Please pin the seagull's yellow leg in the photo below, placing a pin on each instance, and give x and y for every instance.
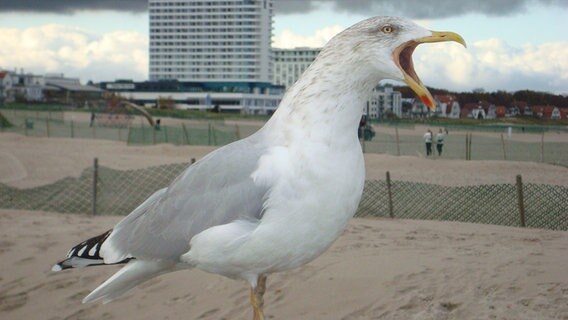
(257, 298)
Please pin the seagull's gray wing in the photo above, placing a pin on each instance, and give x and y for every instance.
(216, 190)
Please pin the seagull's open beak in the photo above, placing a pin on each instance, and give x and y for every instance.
(403, 58)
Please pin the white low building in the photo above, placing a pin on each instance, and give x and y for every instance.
(246, 97)
(384, 100)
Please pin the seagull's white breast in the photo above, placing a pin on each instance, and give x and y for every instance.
(313, 195)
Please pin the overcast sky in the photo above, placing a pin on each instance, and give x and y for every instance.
(512, 44)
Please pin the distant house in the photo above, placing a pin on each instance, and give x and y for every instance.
(476, 110)
(516, 109)
(563, 113)
(466, 110)
(513, 112)
(479, 113)
(538, 111)
(419, 109)
(6, 93)
(548, 112)
(492, 112)
(28, 87)
(447, 106)
(500, 111)
(555, 114)
(527, 111)
(454, 110)
(69, 90)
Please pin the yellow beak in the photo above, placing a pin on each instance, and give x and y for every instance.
(403, 58)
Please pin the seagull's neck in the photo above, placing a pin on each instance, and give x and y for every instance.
(326, 103)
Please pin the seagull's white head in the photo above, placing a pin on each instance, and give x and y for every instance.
(386, 44)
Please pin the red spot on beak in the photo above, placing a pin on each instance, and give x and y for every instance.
(427, 101)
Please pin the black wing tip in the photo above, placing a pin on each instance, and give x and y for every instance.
(84, 254)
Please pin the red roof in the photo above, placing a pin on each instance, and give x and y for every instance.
(3, 74)
(448, 99)
(500, 111)
(545, 111)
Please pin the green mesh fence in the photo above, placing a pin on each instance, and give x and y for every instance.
(52, 124)
(119, 192)
(485, 145)
(545, 206)
(69, 195)
(482, 148)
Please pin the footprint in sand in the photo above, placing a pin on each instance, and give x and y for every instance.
(13, 301)
(5, 246)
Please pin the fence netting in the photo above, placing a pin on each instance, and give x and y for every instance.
(131, 131)
(486, 144)
(118, 192)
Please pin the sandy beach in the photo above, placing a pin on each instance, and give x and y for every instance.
(379, 268)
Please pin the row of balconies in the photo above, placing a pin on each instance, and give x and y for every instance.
(204, 44)
(204, 37)
(203, 77)
(220, 30)
(193, 3)
(222, 23)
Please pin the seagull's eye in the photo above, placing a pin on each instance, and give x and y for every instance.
(387, 29)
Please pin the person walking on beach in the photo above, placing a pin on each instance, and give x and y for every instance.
(428, 140)
(440, 141)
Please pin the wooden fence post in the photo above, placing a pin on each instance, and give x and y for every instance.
(466, 146)
(503, 145)
(397, 141)
(185, 134)
(391, 211)
(128, 134)
(469, 146)
(95, 177)
(542, 147)
(521, 199)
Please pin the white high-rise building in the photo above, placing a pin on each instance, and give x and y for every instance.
(211, 41)
(289, 64)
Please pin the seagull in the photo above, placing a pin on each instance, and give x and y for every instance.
(279, 198)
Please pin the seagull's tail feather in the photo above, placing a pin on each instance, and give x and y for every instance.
(86, 253)
(131, 275)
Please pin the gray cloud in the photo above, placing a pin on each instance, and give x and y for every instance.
(418, 9)
(71, 6)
